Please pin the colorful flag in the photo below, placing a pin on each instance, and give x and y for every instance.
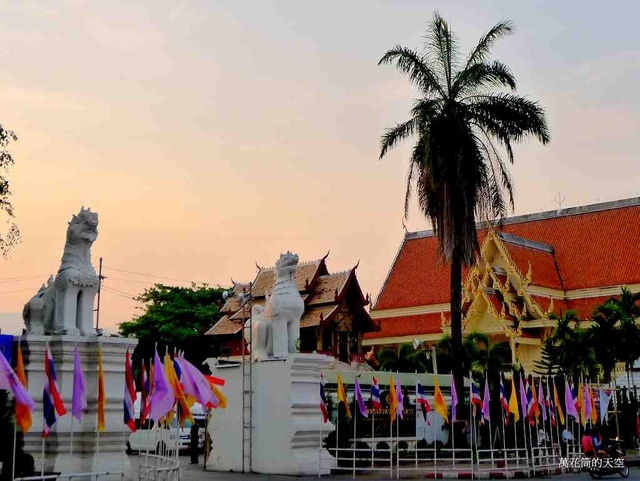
(184, 413)
(23, 410)
(342, 396)
(581, 405)
(513, 402)
(438, 401)
(52, 405)
(393, 400)
(549, 404)
(144, 401)
(101, 393)
(486, 414)
(523, 397)
(605, 399)
(454, 399)
(504, 403)
(594, 411)
(195, 384)
(10, 381)
(400, 406)
(129, 394)
(79, 399)
(375, 395)
(476, 400)
(214, 382)
(422, 401)
(587, 404)
(162, 397)
(569, 401)
(323, 401)
(359, 399)
(556, 401)
(541, 401)
(532, 403)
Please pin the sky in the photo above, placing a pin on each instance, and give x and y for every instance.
(214, 135)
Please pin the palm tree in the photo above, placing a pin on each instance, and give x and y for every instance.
(572, 348)
(628, 346)
(605, 335)
(403, 359)
(462, 124)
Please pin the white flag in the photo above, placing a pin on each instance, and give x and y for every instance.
(605, 398)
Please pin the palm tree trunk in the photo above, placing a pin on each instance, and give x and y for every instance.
(456, 338)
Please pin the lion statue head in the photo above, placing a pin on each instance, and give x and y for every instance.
(287, 262)
(83, 227)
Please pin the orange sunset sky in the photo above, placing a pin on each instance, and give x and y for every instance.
(209, 135)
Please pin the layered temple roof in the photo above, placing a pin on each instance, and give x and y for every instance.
(532, 266)
(321, 291)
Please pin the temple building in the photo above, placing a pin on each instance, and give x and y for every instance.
(533, 267)
(335, 317)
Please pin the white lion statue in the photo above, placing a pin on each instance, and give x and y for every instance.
(65, 306)
(276, 326)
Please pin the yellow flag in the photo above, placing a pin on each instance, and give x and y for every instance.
(23, 413)
(594, 411)
(393, 399)
(178, 392)
(101, 393)
(513, 402)
(556, 400)
(438, 400)
(342, 396)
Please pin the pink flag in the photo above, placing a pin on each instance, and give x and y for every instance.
(485, 402)
(79, 399)
(587, 403)
(162, 399)
(523, 398)
(9, 381)
(454, 399)
(195, 384)
(541, 401)
(400, 408)
(568, 401)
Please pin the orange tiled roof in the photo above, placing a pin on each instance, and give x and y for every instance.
(313, 317)
(328, 286)
(304, 274)
(594, 246)
(408, 326)
(584, 307)
(225, 326)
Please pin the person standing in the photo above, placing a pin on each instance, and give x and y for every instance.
(193, 443)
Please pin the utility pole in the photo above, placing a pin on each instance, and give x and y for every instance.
(100, 278)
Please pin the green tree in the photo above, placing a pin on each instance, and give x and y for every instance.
(605, 335)
(572, 348)
(462, 124)
(12, 235)
(175, 318)
(628, 345)
(403, 359)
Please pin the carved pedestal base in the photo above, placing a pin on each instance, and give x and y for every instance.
(85, 441)
(287, 422)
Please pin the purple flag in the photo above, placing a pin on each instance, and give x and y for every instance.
(9, 381)
(361, 406)
(523, 399)
(568, 401)
(400, 407)
(454, 399)
(195, 384)
(162, 399)
(79, 401)
(485, 401)
(541, 401)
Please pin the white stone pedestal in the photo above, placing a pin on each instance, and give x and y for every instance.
(85, 441)
(287, 421)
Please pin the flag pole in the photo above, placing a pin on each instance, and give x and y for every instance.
(472, 418)
(373, 429)
(43, 419)
(415, 383)
(355, 417)
(75, 346)
(15, 429)
(486, 380)
(398, 383)
(503, 418)
(434, 362)
(523, 419)
(390, 434)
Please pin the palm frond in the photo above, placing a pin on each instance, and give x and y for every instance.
(482, 49)
(481, 76)
(393, 136)
(410, 63)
